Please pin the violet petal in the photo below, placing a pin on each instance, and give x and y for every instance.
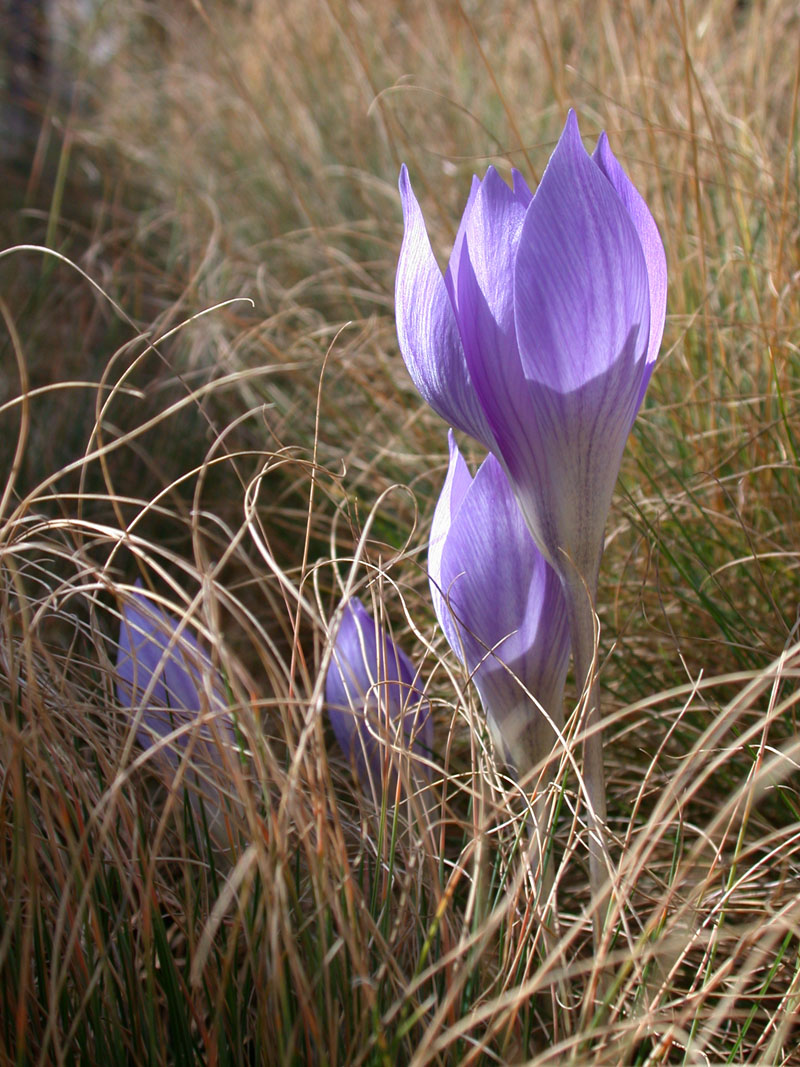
(427, 328)
(372, 689)
(501, 607)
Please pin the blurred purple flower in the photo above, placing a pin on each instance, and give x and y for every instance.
(541, 337)
(162, 669)
(501, 607)
(374, 700)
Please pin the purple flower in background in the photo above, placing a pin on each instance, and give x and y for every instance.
(501, 607)
(162, 670)
(374, 700)
(540, 338)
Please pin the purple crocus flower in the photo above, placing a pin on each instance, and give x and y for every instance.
(162, 670)
(374, 700)
(540, 338)
(501, 608)
(539, 341)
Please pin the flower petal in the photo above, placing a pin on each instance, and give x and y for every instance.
(486, 306)
(427, 328)
(507, 616)
(652, 247)
(492, 235)
(451, 274)
(456, 484)
(582, 321)
(370, 690)
(141, 654)
(581, 291)
(152, 655)
(522, 190)
(565, 467)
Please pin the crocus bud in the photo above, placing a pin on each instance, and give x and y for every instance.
(164, 677)
(374, 701)
(501, 608)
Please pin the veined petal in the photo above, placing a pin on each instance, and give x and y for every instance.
(505, 615)
(522, 190)
(427, 329)
(456, 484)
(451, 274)
(486, 305)
(581, 292)
(491, 238)
(371, 692)
(582, 308)
(652, 247)
(141, 654)
(565, 467)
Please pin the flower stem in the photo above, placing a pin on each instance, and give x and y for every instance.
(580, 600)
(542, 863)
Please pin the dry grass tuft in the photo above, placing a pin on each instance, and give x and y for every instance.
(203, 390)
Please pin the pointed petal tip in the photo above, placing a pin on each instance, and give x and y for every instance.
(452, 447)
(494, 182)
(407, 198)
(569, 148)
(602, 146)
(458, 476)
(571, 127)
(355, 607)
(522, 190)
(649, 236)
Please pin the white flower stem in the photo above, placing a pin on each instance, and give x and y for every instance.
(531, 739)
(581, 599)
(542, 864)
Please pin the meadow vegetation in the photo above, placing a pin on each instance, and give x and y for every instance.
(202, 389)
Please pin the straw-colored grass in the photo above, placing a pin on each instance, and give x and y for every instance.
(202, 388)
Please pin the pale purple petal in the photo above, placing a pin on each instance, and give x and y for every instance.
(565, 467)
(372, 689)
(582, 320)
(168, 671)
(427, 328)
(456, 484)
(491, 238)
(140, 654)
(504, 613)
(581, 291)
(652, 247)
(451, 274)
(522, 190)
(486, 307)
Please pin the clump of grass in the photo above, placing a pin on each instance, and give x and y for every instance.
(224, 413)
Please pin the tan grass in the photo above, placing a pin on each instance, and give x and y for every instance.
(218, 406)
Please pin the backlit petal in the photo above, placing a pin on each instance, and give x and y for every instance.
(652, 247)
(456, 484)
(502, 610)
(581, 292)
(582, 320)
(427, 329)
